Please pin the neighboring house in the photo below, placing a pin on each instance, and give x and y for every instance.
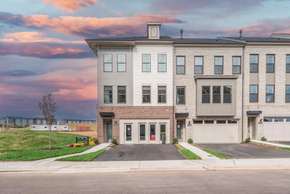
(152, 89)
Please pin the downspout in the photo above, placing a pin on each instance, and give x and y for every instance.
(173, 92)
(243, 88)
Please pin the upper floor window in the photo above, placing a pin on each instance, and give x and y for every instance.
(218, 64)
(180, 65)
(288, 63)
(270, 60)
(198, 64)
(205, 94)
(216, 93)
(108, 63)
(287, 93)
(162, 63)
(121, 63)
(122, 94)
(146, 94)
(270, 93)
(254, 63)
(180, 95)
(161, 94)
(254, 94)
(227, 94)
(108, 94)
(146, 63)
(236, 68)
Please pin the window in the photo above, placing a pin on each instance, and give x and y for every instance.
(180, 95)
(287, 63)
(254, 63)
(198, 64)
(218, 65)
(278, 119)
(287, 119)
(161, 94)
(208, 121)
(270, 60)
(236, 68)
(197, 121)
(227, 94)
(254, 94)
(121, 63)
(162, 63)
(108, 63)
(142, 132)
(122, 94)
(108, 94)
(216, 90)
(180, 65)
(146, 94)
(287, 94)
(221, 122)
(268, 119)
(232, 121)
(205, 94)
(270, 93)
(146, 63)
(152, 132)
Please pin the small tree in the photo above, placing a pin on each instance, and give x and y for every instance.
(47, 107)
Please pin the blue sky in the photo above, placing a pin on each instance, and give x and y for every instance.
(42, 45)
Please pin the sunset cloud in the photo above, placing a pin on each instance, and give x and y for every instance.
(70, 5)
(87, 26)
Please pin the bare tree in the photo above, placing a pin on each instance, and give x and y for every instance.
(47, 107)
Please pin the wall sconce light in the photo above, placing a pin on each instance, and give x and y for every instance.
(189, 124)
(115, 122)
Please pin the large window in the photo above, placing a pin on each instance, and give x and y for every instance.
(198, 64)
(108, 94)
(254, 94)
(180, 95)
(205, 94)
(270, 60)
(162, 63)
(122, 94)
(121, 63)
(108, 63)
(142, 132)
(236, 68)
(216, 92)
(146, 63)
(146, 94)
(161, 94)
(270, 93)
(287, 93)
(180, 65)
(288, 63)
(227, 94)
(218, 64)
(254, 63)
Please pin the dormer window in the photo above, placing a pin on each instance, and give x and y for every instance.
(153, 31)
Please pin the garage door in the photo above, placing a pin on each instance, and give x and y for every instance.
(276, 131)
(215, 132)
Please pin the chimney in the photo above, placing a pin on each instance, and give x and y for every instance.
(153, 31)
(181, 33)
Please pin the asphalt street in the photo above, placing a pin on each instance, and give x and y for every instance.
(204, 182)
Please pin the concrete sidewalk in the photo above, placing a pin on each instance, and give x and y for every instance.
(131, 166)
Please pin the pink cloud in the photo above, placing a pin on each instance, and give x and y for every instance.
(70, 5)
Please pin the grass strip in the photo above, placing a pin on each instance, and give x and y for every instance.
(189, 155)
(216, 153)
(84, 157)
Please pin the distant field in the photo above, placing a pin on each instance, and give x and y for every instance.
(26, 145)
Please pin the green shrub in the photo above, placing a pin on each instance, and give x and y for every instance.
(190, 141)
(114, 141)
(263, 138)
(248, 140)
(175, 141)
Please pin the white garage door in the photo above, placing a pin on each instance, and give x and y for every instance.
(276, 131)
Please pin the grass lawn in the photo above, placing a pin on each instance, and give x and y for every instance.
(27, 145)
(189, 155)
(84, 157)
(216, 153)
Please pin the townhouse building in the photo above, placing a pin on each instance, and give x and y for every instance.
(155, 88)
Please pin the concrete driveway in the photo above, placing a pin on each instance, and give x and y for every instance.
(249, 150)
(138, 152)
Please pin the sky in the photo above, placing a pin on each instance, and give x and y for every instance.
(42, 47)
